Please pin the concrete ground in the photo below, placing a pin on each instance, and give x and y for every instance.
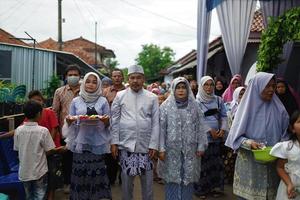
(158, 193)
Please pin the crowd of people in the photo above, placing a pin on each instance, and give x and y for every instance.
(191, 138)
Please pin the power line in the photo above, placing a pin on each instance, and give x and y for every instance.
(10, 8)
(158, 15)
(28, 16)
(78, 8)
(154, 29)
(15, 9)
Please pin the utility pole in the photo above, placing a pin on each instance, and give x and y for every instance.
(59, 26)
(33, 57)
(96, 64)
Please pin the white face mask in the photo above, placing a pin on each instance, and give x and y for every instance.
(73, 80)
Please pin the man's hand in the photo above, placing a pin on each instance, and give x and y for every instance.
(114, 150)
(61, 149)
(199, 153)
(152, 153)
(290, 189)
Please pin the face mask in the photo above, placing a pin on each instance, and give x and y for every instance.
(73, 80)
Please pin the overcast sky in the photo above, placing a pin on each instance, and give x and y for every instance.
(123, 25)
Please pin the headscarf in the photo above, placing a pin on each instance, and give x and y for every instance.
(219, 92)
(107, 80)
(288, 99)
(227, 95)
(172, 97)
(155, 91)
(235, 99)
(202, 96)
(90, 97)
(256, 119)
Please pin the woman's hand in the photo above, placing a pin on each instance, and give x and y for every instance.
(290, 189)
(255, 145)
(105, 120)
(214, 133)
(70, 119)
(221, 133)
(162, 156)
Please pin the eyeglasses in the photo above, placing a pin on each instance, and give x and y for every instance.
(208, 85)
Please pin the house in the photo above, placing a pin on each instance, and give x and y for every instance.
(83, 48)
(17, 66)
(217, 63)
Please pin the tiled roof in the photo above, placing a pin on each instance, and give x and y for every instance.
(6, 37)
(80, 47)
(257, 22)
(49, 44)
(257, 26)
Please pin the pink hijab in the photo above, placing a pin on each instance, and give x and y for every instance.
(227, 95)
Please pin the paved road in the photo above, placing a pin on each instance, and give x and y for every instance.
(158, 193)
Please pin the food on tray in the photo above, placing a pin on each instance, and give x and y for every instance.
(89, 117)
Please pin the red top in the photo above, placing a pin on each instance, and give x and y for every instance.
(49, 121)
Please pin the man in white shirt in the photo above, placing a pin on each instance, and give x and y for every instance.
(135, 133)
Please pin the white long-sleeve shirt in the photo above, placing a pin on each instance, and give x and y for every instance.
(135, 121)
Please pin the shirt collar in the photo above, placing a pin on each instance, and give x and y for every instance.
(112, 88)
(30, 123)
(76, 89)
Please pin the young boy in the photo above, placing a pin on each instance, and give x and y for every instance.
(33, 142)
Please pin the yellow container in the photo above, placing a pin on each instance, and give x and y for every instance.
(263, 155)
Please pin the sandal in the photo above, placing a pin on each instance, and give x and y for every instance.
(201, 196)
(217, 194)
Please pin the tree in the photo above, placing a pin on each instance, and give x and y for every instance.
(111, 64)
(153, 59)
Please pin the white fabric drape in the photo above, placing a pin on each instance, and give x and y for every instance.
(276, 8)
(203, 30)
(235, 17)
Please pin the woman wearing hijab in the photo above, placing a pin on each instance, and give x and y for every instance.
(235, 82)
(260, 118)
(229, 156)
(106, 82)
(212, 169)
(237, 96)
(220, 87)
(286, 96)
(182, 141)
(89, 141)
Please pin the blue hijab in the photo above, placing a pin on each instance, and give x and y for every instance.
(257, 119)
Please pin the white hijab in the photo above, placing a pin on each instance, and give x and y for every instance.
(90, 97)
(202, 95)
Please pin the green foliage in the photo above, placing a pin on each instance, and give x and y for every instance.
(153, 59)
(104, 71)
(4, 84)
(125, 72)
(280, 30)
(52, 84)
(111, 63)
